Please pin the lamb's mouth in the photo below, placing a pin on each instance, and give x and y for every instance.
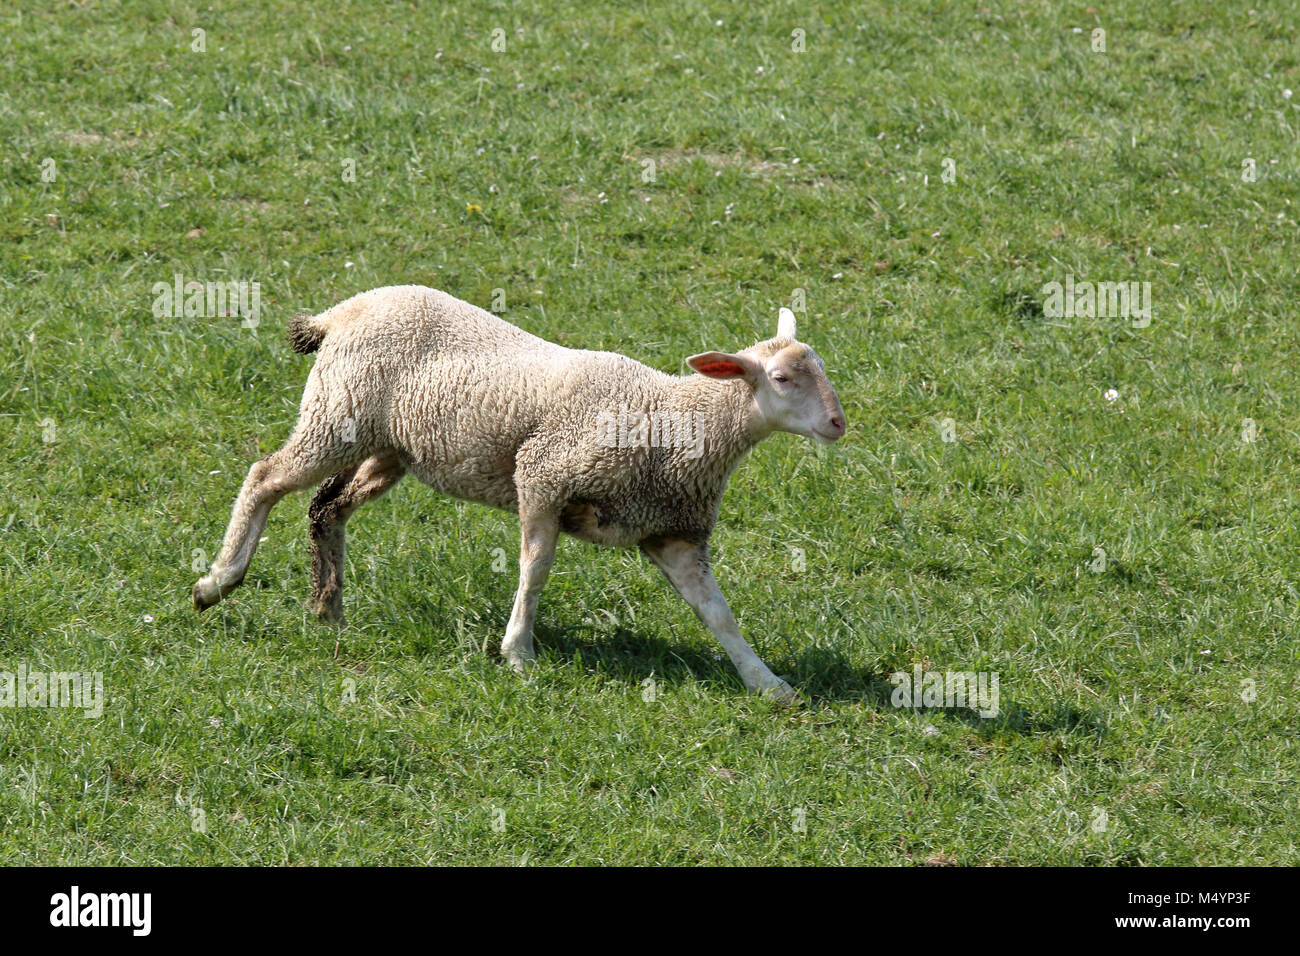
(826, 439)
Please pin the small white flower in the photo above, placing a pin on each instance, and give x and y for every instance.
(1286, 94)
(348, 265)
(1111, 394)
(148, 618)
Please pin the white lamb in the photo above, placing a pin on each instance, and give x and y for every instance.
(412, 379)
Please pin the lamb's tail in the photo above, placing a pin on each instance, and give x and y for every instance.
(306, 333)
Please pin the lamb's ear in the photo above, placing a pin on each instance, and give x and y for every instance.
(785, 324)
(725, 365)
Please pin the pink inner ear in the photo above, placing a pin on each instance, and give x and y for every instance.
(719, 369)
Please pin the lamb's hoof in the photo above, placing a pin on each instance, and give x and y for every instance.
(208, 592)
(783, 694)
(521, 664)
(327, 612)
(205, 594)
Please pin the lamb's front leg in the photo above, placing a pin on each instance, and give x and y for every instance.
(686, 565)
(538, 534)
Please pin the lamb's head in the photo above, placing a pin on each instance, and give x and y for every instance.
(791, 391)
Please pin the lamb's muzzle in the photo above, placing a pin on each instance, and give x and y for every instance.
(593, 444)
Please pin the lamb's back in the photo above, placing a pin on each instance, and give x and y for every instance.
(407, 323)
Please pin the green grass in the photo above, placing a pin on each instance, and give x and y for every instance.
(1121, 691)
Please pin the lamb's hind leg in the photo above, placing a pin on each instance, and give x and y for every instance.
(338, 497)
(297, 465)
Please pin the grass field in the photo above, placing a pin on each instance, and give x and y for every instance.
(657, 180)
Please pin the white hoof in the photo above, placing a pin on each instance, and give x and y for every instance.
(519, 662)
(782, 693)
(206, 593)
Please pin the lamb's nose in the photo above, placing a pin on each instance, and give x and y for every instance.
(837, 423)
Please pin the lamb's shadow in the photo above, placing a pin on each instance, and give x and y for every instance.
(1016, 719)
(830, 676)
(822, 676)
(632, 657)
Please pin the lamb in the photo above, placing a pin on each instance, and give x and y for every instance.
(409, 378)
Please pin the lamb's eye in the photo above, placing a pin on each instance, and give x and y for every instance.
(778, 377)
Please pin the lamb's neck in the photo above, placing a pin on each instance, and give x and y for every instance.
(728, 416)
